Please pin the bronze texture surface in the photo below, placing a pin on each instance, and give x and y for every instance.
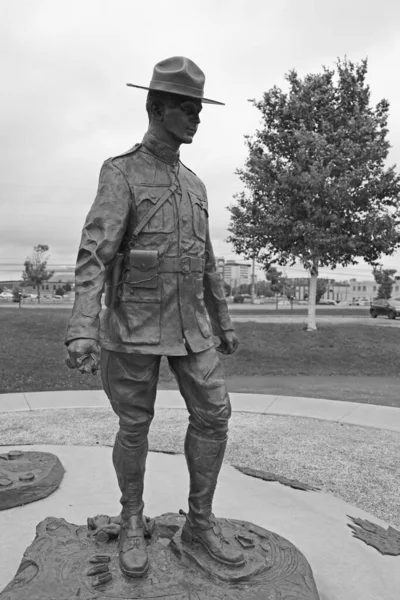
(161, 309)
(386, 541)
(28, 476)
(66, 561)
(293, 483)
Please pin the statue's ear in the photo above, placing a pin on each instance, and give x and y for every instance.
(157, 110)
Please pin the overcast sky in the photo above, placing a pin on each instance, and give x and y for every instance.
(65, 107)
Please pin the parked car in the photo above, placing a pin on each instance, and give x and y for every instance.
(6, 295)
(360, 302)
(328, 301)
(240, 298)
(390, 308)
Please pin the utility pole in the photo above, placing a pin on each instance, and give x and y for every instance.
(253, 281)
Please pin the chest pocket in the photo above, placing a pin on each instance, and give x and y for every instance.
(200, 215)
(163, 221)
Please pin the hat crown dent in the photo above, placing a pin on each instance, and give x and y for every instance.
(180, 70)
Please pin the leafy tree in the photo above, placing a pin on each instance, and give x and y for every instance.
(322, 286)
(317, 190)
(264, 288)
(16, 292)
(227, 289)
(244, 288)
(275, 277)
(36, 271)
(384, 277)
(288, 288)
(67, 287)
(60, 291)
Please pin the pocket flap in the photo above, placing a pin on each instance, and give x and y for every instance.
(198, 200)
(144, 260)
(148, 193)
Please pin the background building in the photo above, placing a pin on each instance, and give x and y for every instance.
(336, 290)
(369, 289)
(63, 279)
(235, 274)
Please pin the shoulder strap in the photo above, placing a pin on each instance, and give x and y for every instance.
(167, 194)
(190, 170)
(131, 151)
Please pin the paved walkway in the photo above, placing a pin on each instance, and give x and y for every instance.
(366, 415)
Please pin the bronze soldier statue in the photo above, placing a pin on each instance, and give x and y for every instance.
(146, 242)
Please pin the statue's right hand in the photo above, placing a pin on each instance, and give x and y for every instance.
(83, 354)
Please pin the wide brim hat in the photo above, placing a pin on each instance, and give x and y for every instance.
(178, 75)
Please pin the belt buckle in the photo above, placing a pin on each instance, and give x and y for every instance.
(186, 264)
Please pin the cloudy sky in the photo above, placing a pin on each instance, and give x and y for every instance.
(65, 106)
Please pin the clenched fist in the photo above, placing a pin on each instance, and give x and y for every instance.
(229, 343)
(84, 355)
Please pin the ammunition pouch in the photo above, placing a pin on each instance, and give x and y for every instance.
(142, 269)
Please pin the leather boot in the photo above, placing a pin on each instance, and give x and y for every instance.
(133, 557)
(204, 459)
(130, 464)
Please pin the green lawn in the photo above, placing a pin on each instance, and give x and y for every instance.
(32, 358)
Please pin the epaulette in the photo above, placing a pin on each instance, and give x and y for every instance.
(131, 151)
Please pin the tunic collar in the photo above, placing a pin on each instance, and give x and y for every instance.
(160, 150)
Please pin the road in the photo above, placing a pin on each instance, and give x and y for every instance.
(332, 319)
(251, 314)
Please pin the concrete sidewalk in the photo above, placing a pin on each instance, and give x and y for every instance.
(353, 413)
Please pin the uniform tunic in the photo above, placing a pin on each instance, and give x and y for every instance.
(165, 313)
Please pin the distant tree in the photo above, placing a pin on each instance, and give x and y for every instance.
(244, 288)
(268, 293)
(1, 289)
(275, 277)
(317, 188)
(60, 291)
(384, 277)
(288, 288)
(36, 271)
(67, 287)
(227, 289)
(279, 283)
(263, 288)
(17, 293)
(322, 286)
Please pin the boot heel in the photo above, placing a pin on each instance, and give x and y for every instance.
(187, 536)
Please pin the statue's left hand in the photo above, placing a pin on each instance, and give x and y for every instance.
(229, 343)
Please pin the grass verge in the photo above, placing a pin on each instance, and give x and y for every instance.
(32, 357)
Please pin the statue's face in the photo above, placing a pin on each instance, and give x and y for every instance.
(181, 120)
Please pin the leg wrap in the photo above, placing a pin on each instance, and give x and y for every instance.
(130, 465)
(204, 458)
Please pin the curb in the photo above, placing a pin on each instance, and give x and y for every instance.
(349, 413)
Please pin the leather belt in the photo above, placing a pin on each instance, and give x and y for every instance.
(181, 264)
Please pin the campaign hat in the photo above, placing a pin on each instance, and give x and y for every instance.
(178, 75)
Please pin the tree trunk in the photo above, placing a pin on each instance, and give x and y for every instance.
(253, 281)
(311, 323)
